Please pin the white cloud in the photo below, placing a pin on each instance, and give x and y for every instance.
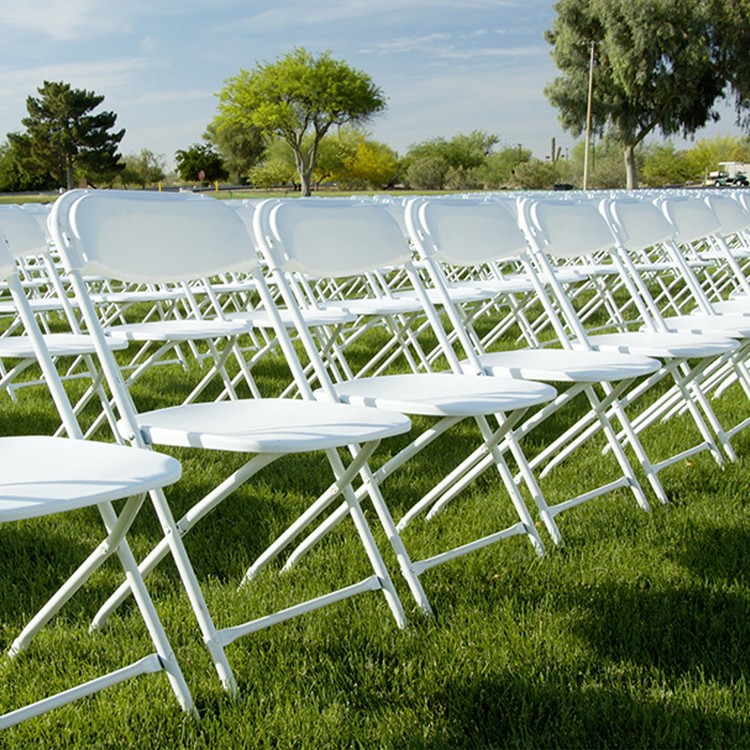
(103, 77)
(485, 52)
(410, 44)
(68, 20)
(149, 44)
(167, 97)
(99, 75)
(284, 14)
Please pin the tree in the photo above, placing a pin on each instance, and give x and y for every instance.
(297, 95)
(63, 136)
(651, 69)
(15, 177)
(724, 25)
(499, 167)
(143, 169)
(427, 173)
(200, 158)
(663, 166)
(706, 154)
(437, 162)
(540, 174)
(354, 161)
(461, 151)
(240, 148)
(605, 163)
(276, 166)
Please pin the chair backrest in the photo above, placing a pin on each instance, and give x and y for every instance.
(638, 224)
(40, 212)
(466, 232)
(7, 264)
(692, 218)
(569, 228)
(149, 237)
(731, 214)
(743, 199)
(22, 230)
(330, 238)
(9, 275)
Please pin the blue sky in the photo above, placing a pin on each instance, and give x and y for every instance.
(445, 66)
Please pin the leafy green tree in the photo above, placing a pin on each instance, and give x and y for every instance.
(605, 163)
(439, 162)
(707, 153)
(15, 178)
(240, 147)
(355, 161)
(461, 151)
(374, 165)
(64, 137)
(499, 168)
(427, 173)
(200, 158)
(297, 95)
(724, 25)
(663, 166)
(538, 174)
(276, 166)
(143, 169)
(651, 70)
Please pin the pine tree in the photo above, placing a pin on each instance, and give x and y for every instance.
(63, 137)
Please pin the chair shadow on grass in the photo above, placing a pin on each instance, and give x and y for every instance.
(36, 559)
(513, 711)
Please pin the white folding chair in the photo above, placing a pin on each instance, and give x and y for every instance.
(639, 223)
(26, 240)
(44, 475)
(694, 221)
(172, 238)
(340, 239)
(728, 247)
(463, 233)
(570, 228)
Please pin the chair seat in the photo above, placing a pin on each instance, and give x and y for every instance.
(739, 305)
(512, 284)
(469, 292)
(567, 275)
(268, 425)
(37, 305)
(597, 269)
(377, 306)
(444, 394)
(44, 475)
(566, 366)
(136, 295)
(58, 345)
(683, 344)
(326, 317)
(180, 330)
(730, 324)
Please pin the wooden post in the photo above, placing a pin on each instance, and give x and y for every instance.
(588, 121)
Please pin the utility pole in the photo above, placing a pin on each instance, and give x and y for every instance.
(588, 120)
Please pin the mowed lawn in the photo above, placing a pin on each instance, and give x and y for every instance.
(635, 633)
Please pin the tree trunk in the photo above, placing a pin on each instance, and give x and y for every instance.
(69, 177)
(304, 179)
(631, 175)
(304, 170)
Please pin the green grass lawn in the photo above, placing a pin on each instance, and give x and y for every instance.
(634, 634)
